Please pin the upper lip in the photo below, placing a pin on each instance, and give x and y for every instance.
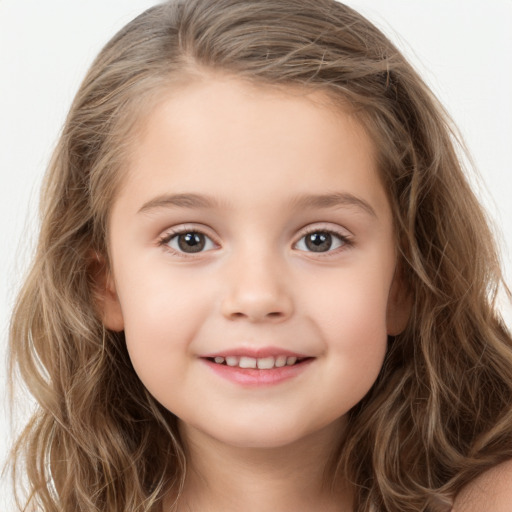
(257, 353)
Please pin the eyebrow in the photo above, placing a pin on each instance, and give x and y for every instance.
(300, 202)
(179, 201)
(331, 201)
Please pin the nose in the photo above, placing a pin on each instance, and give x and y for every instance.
(257, 290)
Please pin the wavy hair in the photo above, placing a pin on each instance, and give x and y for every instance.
(440, 411)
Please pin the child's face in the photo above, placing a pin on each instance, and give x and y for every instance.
(286, 248)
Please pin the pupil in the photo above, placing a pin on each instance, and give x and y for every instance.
(191, 242)
(319, 242)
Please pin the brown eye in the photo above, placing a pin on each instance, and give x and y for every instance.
(320, 241)
(190, 242)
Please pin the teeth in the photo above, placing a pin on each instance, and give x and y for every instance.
(265, 363)
(247, 362)
(262, 363)
(280, 361)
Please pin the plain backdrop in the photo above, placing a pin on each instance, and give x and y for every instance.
(463, 49)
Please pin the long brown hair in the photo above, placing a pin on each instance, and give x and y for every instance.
(440, 412)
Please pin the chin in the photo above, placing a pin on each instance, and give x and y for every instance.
(262, 440)
(261, 434)
(253, 443)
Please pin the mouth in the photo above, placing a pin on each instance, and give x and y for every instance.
(260, 363)
(258, 367)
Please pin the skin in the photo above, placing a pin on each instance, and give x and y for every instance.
(257, 283)
(490, 492)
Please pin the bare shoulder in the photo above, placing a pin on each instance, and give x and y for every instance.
(490, 492)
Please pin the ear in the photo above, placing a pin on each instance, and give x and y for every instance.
(399, 305)
(105, 295)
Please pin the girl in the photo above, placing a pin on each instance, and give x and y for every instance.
(262, 280)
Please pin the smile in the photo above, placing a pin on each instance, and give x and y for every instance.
(261, 363)
(264, 367)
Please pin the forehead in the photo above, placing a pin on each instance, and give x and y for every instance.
(233, 139)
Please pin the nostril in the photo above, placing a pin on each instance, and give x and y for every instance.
(273, 315)
(256, 307)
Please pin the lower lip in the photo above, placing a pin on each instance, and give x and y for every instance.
(254, 377)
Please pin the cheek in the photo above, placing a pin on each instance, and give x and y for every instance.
(359, 337)
(161, 321)
(352, 321)
(354, 303)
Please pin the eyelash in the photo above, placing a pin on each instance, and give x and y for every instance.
(346, 241)
(167, 237)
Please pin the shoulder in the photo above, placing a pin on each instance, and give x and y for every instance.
(490, 492)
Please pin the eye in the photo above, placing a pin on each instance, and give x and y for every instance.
(321, 241)
(189, 242)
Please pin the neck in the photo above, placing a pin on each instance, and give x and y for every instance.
(294, 477)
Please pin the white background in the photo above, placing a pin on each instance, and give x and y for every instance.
(463, 48)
